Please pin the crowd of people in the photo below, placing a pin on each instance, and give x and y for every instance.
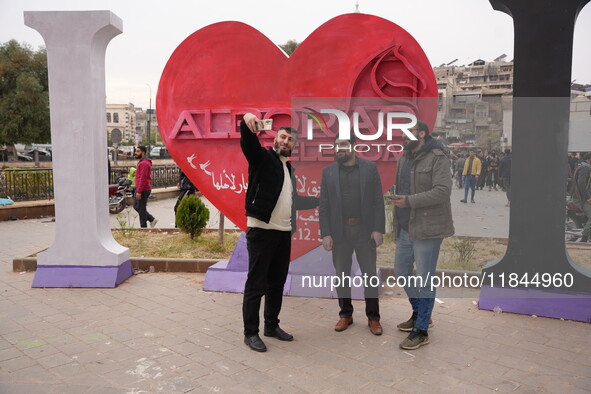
(476, 170)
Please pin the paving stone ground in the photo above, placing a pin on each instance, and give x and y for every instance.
(161, 333)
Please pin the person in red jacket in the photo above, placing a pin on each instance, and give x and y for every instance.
(143, 187)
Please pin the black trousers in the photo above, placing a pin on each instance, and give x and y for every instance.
(491, 178)
(507, 185)
(342, 259)
(141, 207)
(268, 264)
(481, 180)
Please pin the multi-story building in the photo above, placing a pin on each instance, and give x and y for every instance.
(142, 124)
(470, 107)
(128, 123)
(476, 105)
(121, 122)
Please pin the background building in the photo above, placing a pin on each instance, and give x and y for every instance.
(471, 101)
(127, 125)
(476, 105)
(121, 123)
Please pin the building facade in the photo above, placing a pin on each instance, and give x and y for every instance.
(121, 123)
(127, 123)
(471, 101)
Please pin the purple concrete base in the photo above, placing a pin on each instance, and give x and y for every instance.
(310, 276)
(221, 278)
(82, 275)
(230, 275)
(558, 304)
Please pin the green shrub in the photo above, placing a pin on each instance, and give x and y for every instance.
(192, 216)
(465, 251)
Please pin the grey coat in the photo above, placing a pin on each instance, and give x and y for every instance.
(582, 182)
(430, 185)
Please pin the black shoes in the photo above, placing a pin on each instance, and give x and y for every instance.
(255, 343)
(278, 333)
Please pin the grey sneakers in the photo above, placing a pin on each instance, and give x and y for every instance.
(415, 339)
(408, 325)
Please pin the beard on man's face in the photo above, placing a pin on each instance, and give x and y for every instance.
(343, 157)
(409, 144)
(282, 152)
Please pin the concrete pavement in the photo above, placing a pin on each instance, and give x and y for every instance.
(488, 217)
(161, 333)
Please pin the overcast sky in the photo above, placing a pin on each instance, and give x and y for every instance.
(446, 29)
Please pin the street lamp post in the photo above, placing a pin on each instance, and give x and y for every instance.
(149, 113)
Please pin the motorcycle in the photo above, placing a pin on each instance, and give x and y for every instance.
(118, 195)
(575, 221)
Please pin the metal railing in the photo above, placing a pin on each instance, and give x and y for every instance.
(162, 176)
(37, 184)
(26, 184)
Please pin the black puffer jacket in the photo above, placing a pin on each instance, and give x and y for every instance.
(505, 167)
(265, 180)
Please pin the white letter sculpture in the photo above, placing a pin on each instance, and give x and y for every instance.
(84, 253)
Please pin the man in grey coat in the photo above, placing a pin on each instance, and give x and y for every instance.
(422, 219)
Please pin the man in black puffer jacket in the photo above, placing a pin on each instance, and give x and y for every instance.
(271, 203)
(505, 174)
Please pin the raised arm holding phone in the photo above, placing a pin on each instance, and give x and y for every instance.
(271, 203)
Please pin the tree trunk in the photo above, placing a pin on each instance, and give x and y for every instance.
(11, 152)
(221, 230)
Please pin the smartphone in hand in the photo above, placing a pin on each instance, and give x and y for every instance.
(267, 125)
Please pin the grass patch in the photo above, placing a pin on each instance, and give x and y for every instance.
(175, 244)
(471, 254)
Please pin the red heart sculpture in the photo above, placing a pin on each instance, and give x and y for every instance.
(227, 69)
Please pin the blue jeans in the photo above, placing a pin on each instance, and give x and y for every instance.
(424, 253)
(469, 183)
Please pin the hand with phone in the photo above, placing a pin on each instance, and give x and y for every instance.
(257, 125)
(265, 125)
(400, 201)
(251, 122)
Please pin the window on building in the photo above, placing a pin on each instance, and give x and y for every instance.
(108, 117)
(115, 117)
